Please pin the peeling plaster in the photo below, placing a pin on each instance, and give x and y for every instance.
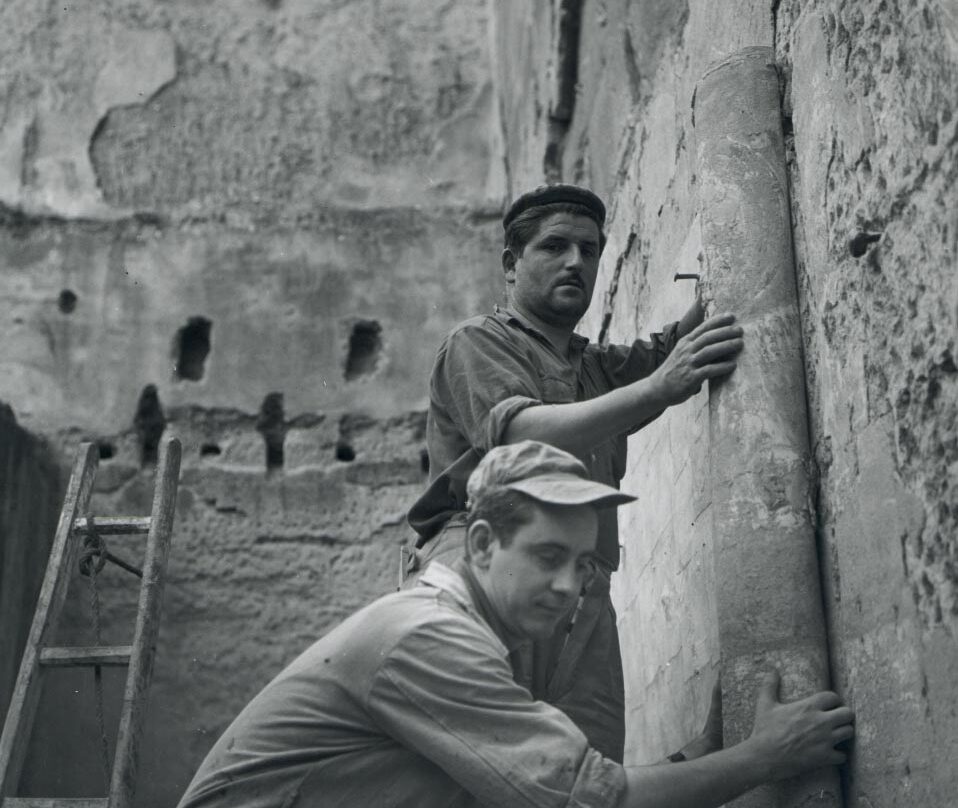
(45, 166)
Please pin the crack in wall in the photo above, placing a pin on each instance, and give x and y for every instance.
(609, 302)
(566, 63)
(631, 67)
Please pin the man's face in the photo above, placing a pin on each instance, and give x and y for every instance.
(535, 581)
(554, 277)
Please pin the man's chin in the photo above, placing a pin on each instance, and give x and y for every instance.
(543, 629)
(541, 634)
(568, 313)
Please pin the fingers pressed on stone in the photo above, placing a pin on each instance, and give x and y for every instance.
(710, 353)
(711, 323)
(826, 700)
(717, 369)
(841, 715)
(725, 333)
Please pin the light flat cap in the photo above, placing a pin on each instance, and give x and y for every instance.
(543, 472)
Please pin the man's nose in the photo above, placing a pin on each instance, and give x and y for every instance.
(568, 580)
(574, 258)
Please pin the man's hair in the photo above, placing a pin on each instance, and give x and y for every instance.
(525, 226)
(505, 511)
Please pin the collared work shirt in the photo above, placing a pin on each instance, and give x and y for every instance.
(409, 702)
(492, 367)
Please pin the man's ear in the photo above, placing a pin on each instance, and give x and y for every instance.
(509, 259)
(480, 539)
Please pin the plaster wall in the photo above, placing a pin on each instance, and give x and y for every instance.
(246, 224)
(870, 128)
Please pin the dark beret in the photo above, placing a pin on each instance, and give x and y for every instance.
(549, 195)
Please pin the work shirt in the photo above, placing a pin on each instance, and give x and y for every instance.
(410, 701)
(492, 367)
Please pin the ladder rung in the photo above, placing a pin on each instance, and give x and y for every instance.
(86, 655)
(115, 525)
(55, 802)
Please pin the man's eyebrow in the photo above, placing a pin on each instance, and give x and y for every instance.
(550, 545)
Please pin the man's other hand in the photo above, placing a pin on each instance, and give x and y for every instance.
(708, 351)
(799, 736)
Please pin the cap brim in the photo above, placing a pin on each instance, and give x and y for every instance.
(568, 489)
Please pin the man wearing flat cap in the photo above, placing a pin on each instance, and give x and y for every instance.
(523, 373)
(411, 701)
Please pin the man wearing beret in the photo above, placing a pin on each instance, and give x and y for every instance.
(411, 701)
(523, 373)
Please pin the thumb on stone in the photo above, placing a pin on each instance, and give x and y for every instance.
(768, 690)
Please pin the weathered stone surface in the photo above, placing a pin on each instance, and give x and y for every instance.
(267, 110)
(873, 108)
(249, 225)
(282, 306)
(262, 564)
(57, 89)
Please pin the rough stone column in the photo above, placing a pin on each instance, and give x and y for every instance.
(768, 587)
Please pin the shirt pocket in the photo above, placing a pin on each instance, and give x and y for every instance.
(556, 390)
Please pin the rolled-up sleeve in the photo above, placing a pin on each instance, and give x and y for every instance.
(448, 693)
(481, 380)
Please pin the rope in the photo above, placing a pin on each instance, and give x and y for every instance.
(93, 558)
(94, 547)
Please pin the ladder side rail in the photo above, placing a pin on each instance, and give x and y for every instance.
(63, 558)
(133, 714)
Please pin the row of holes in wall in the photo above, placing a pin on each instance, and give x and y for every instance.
(192, 344)
(150, 423)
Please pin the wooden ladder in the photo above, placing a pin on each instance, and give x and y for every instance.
(73, 526)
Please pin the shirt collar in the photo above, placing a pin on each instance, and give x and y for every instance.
(440, 576)
(507, 315)
(459, 583)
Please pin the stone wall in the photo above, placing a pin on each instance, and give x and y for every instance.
(246, 224)
(872, 103)
(262, 563)
(870, 127)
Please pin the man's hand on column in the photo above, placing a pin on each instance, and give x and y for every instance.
(800, 735)
(708, 351)
(786, 740)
